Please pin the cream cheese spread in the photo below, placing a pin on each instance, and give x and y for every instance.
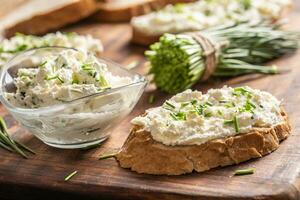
(68, 76)
(191, 117)
(207, 13)
(20, 42)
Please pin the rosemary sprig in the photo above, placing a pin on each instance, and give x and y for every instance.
(9, 144)
(178, 61)
(244, 171)
(69, 176)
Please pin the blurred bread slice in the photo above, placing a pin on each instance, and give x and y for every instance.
(41, 16)
(124, 10)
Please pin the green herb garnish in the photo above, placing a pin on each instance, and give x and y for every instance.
(178, 116)
(244, 171)
(43, 64)
(170, 105)
(8, 143)
(48, 78)
(236, 124)
(68, 177)
(106, 156)
(151, 99)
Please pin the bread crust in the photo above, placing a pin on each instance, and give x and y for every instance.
(43, 22)
(142, 154)
(115, 12)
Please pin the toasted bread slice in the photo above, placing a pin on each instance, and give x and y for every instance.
(142, 154)
(123, 11)
(39, 17)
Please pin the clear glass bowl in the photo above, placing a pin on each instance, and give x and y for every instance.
(78, 123)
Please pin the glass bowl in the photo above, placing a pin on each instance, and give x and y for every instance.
(78, 123)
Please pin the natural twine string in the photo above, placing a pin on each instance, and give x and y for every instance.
(210, 52)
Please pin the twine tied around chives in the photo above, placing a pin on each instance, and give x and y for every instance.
(210, 51)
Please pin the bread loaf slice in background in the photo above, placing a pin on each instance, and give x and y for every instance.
(41, 16)
(123, 11)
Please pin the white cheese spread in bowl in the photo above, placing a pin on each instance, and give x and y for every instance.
(191, 117)
(68, 98)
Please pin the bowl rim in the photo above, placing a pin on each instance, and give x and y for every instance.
(141, 80)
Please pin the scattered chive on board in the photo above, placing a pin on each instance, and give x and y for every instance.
(106, 156)
(68, 177)
(241, 172)
(151, 99)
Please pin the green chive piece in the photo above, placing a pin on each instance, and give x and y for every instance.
(68, 177)
(132, 65)
(151, 99)
(244, 171)
(173, 116)
(236, 124)
(228, 122)
(43, 64)
(106, 156)
(170, 105)
(9, 144)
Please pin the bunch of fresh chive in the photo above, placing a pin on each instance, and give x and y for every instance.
(6, 142)
(178, 61)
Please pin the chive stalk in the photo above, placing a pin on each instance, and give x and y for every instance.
(69, 176)
(241, 172)
(178, 61)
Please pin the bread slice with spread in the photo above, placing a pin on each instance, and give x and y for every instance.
(202, 15)
(196, 132)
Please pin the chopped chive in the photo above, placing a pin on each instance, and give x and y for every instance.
(151, 99)
(223, 101)
(132, 65)
(207, 114)
(208, 103)
(251, 104)
(173, 116)
(170, 105)
(236, 124)
(261, 106)
(103, 81)
(227, 122)
(244, 171)
(43, 64)
(60, 79)
(106, 156)
(220, 112)
(193, 102)
(184, 104)
(68, 177)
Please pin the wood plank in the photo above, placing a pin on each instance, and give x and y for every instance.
(42, 176)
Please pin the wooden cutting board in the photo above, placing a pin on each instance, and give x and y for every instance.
(42, 176)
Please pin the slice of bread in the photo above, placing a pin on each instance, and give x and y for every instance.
(142, 37)
(39, 17)
(123, 11)
(142, 154)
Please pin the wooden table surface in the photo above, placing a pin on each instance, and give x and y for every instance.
(42, 176)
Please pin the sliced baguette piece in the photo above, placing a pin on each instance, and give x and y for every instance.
(142, 154)
(123, 11)
(143, 38)
(38, 17)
